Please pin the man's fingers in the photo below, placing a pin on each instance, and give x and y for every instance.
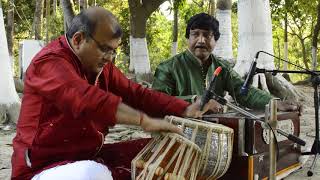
(166, 126)
(200, 113)
(206, 108)
(177, 130)
(193, 110)
(213, 106)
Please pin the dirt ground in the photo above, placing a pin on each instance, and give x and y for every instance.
(120, 133)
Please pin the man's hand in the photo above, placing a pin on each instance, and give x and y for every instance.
(289, 106)
(158, 125)
(193, 110)
(127, 115)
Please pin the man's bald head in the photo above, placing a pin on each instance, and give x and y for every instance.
(92, 18)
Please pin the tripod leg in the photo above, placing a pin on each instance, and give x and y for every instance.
(310, 172)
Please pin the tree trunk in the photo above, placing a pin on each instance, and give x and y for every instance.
(285, 64)
(224, 44)
(280, 87)
(212, 7)
(224, 4)
(68, 13)
(175, 30)
(9, 99)
(279, 52)
(37, 19)
(54, 7)
(315, 39)
(47, 20)
(91, 3)
(252, 32)
(254, 28)
(304, 53)
(10, 29)
(83, 4)
(139, 13)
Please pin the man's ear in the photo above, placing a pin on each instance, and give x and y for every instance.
(78, 38)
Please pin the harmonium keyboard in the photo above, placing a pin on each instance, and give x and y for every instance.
(250, 158)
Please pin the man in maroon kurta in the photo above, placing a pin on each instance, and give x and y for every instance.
(73, 93)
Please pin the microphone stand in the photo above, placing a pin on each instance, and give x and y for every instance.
(251, 116)
(315, 150)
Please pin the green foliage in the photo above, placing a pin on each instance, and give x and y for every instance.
(121, 11)
(159, 40)
(56, 27)
(301, 17)
(234, 29)
(22, 26)
(122, 61)
(301, 20)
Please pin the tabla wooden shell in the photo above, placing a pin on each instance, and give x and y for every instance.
(167, 156)
(215, 142)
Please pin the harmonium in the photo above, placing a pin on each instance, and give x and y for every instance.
(250, 156)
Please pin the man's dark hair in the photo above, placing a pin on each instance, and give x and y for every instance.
(203, 21)
(82, 22)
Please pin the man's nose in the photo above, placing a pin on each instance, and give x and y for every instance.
(201, 39)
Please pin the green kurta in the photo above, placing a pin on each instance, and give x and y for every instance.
(183, 76)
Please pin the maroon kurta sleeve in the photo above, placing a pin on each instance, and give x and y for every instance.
(58, 81)
(152, 102)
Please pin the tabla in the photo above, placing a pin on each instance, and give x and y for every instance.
(167, 156)
(215, 142)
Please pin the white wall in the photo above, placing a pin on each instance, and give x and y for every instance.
(28, 49)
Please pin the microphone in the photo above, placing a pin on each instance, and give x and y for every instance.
(208, 94)
(252, 72)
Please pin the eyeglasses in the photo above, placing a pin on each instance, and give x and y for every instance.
(206, 34)
(107, 52)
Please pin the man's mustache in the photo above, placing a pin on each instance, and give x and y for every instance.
(202, 47)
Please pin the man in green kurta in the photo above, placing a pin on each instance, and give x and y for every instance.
(186, 75)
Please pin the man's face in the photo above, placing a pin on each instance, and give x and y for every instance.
(98, 49)
(201, 43)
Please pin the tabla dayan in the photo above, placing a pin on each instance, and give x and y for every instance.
(215, 142)
(167, 156)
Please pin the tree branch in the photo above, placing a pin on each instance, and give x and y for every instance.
(151, 5)
(196, 3)
(316, 28)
